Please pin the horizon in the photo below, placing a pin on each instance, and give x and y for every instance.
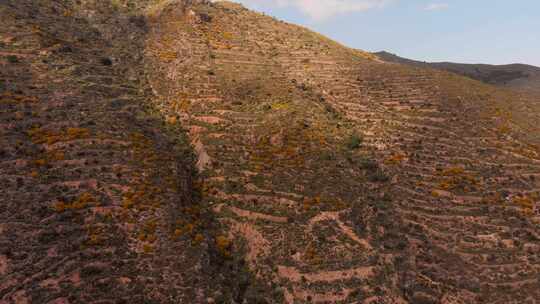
(453, 62)
(495, 32)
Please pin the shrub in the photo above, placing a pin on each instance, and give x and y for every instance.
(106, 61)
(354, 142)
(378, 177)
(327, 155)
(12, 59)
(147, 248)
(223, 245)
(330, 110)
(368, 164)
(205, 17)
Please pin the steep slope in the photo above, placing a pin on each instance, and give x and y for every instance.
(92, 186)
(438, 204)
(272, 150)
(522, 77)
(325, 175)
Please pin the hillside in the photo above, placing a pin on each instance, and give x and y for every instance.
(192, 152)
(521, 77)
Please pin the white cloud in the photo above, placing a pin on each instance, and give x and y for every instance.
(321, 9)
(436, 7)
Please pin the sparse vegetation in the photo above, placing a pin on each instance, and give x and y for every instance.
(12, 59)
(49, 137)
(83, 201)
(224, 142)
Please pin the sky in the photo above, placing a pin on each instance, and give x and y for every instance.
(468, 31)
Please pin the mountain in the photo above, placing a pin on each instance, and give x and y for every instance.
(521, 77)
(197, 152)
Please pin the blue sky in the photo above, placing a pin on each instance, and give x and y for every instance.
(470, 31)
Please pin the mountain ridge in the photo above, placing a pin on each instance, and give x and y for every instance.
(519, 76)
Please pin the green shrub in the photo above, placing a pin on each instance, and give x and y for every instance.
(354, 142)
(12, 59)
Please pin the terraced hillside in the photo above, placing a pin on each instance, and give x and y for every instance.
(324, 175)
(92, 183)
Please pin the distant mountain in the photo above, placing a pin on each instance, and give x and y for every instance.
(516, 76)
